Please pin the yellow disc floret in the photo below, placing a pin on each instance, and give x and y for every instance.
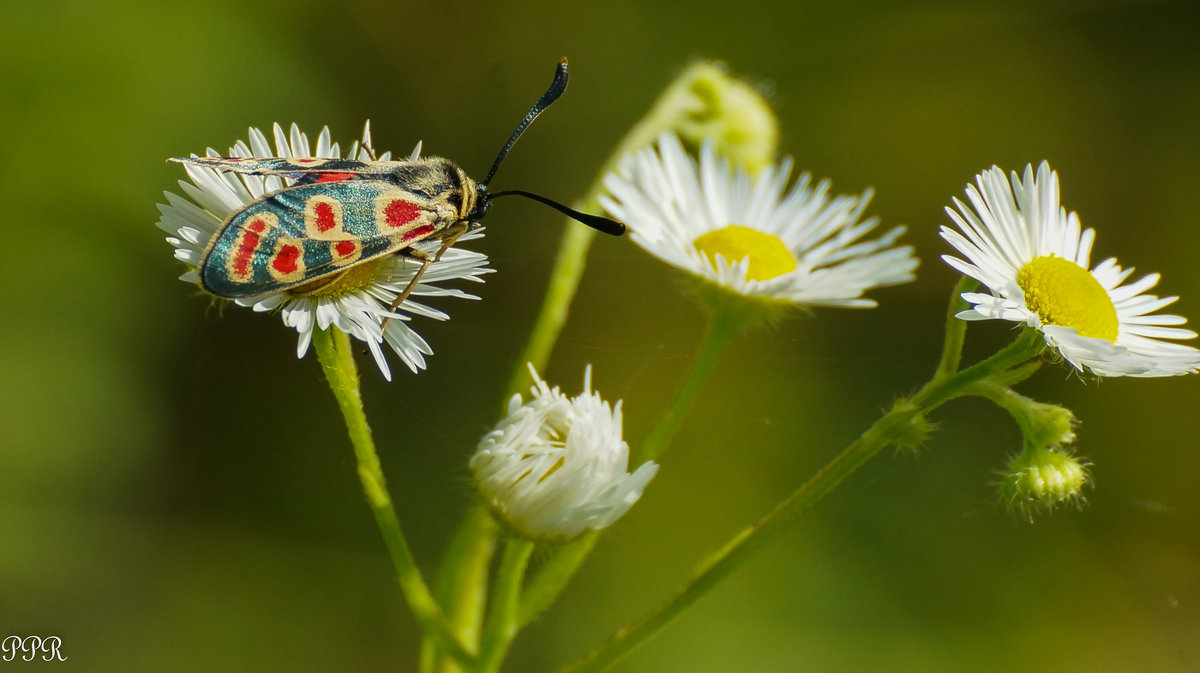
(1063, 293)
(769, 257)
(354, 279)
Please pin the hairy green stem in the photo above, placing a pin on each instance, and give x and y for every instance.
(1016, 404)
(1015, 375)
(1042, 425)
(337, 361)
(719, 565)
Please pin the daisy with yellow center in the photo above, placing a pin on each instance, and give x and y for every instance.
(358, 304)
(747, 236)
(1034, 257)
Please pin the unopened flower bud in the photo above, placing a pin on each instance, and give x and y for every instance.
(1049, 424)
(1040, 479)
(706, 103)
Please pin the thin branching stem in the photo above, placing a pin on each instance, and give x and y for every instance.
(337, 361)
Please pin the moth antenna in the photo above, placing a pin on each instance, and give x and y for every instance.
(557, 87)
(601, 224)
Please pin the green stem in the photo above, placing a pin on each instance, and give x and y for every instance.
(1028, 345)
(554, 574)
(750, 540)
(1042, 425)
(462, 592)
(569, 264)
(561, 566)
(333, 350)
(502, 624)
(956, 329)
(721, 328)
(571, 259)
(1013, 376)
(1016, 404)
(692, 98)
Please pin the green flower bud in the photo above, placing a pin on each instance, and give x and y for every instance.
(1040, 479)
(1048, 424)
(706, 103)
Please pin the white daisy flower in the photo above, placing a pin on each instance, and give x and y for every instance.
(1033, 256)
(359, 305)
(556, 466)
(744, 234)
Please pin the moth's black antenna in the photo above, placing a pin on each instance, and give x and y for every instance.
(601, 224)
(557, 87)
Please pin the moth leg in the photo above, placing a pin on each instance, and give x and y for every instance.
(370, 150)
(452, 235)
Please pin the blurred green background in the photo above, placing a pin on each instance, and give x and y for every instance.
(164, 507)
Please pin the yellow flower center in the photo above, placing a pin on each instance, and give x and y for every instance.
(1062, 293)
(769, 257)
(353, 279)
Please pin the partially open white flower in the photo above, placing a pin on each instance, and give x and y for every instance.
(556, 466)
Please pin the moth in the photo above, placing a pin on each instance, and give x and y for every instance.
(338, 214)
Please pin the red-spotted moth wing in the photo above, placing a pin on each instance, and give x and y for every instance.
(301, 169)
(341, 214)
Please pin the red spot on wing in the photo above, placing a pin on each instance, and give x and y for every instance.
(285, 260)
(335, 177)
(325, 219)
(345, 248)
(243, 251)
(419, 232)
(398, 213)
(306, 161)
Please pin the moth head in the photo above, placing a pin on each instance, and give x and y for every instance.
(483, 203)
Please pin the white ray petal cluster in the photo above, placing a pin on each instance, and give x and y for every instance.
(800, 246)
(556, 465)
